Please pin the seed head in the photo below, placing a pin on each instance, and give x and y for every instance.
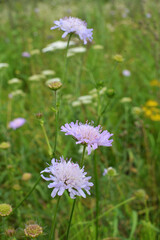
(26, 176)
(33, 230)
(5, 209)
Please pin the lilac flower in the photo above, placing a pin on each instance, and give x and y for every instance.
(126, 73)
(16, 123)
(88, 134)
(74, 25)
(67, 176)
(26, 54)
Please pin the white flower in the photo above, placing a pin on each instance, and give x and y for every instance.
(18, 92)
(66, 175)
(4, 65)
(48, 72)
(14, 80)
(98, 47)
(126, 100)
(36, 77)
(57, 45)
(52, 80)
(126, 73)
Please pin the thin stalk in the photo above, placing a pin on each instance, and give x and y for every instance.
(56, 117)
(46, 137)
(51, 237)
(28, 194)
(74, 202)
(97, 193)
(66, 62)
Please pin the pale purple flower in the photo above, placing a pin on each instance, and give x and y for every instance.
(66, 175)
(74, 25)
(148, 15)
(126, 73)
(88, 134)
(26, 54)
(17, 123)
(105, 171)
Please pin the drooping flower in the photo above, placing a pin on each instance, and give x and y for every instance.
(74, 25)
(66, 175)
(16, 123)
(88, 134)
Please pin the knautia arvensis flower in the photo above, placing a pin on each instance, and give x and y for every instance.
(33, 230)
(66, 175)
(5, 209)
(88, 134)
(17, 123)
(74, 25)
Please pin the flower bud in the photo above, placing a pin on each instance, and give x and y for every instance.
(118, 58)
(39, 115)
(10, 232)
(54, 84)
(110, 92)
(5, 145)
(140, 194)
(5, 209)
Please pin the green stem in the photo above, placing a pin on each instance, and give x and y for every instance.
(28, 194)
(51, 237)
(66, 62)
(56, 132)
(74, 202)
(46, 137)
(97, 193)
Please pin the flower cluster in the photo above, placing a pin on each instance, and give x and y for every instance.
(74, 25)
(88, 134)
(66, 175)
(151, 110)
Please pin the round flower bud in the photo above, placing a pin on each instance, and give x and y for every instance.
(16, 187)
(10, 232)
(54, 85)
(140, 194)
(5, 209)
(110, 92)
(26, 176)
(33, 230)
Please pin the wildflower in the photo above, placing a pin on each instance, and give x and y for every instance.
(136, 110)
(74, 25)
(33, 230)
(57, 45)
(141, 194)
(111, 172)
(5, 209)
(10, 232)
(98, 47)
(54, 84)
(36, 77)
(16, 187)
(17, 123)
(110, 92)
(4, 145)
(26, 54)
(88, 134)
(4, 65)
(35, 52)
(151, 103)
(155, 83)
(18, 92)
(155, 117)
(14, 80)
(126, 100)
(126, 73)
(77, 50)
(118, 58)
(26, 176)
(66, 175)
(148, 15)
(48, 72)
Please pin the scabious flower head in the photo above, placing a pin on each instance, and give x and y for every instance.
(88, 134)
(17, 123)
(126, 73)
(74, 25)
(66, 175)
(5, 209)
(33, 230)
(26, 54)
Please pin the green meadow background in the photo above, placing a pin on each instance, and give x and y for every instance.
(129, 108)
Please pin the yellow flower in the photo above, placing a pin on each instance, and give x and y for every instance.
(155, 83)
(151, 103)
(118, 58)
(155, 117)
(4, 145)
